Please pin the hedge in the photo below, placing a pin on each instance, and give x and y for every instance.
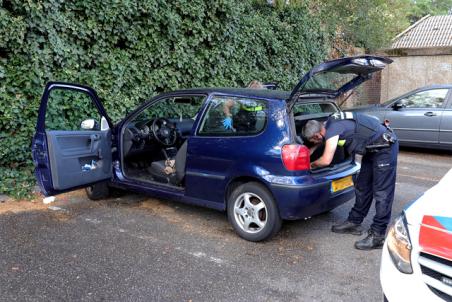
(131, 50)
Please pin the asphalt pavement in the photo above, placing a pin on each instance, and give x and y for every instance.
(135, 248)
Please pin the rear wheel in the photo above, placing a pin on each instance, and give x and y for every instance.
(253, 213)
(98, 191)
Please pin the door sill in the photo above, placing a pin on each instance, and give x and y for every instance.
(145, 182)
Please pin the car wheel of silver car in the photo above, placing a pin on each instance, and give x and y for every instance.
(253, 213)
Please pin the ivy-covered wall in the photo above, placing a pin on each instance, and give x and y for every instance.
(131, 50)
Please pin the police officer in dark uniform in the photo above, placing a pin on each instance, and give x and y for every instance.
(365, 135)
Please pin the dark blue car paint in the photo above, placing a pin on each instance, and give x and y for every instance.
(40, 156)
(215, 163)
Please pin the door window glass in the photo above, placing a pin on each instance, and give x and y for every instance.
(67, 109)
(425, 99)
(246, 117)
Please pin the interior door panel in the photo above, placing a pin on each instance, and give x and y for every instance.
(66, 154)
(78, 158)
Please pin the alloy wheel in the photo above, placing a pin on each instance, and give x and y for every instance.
(250, 212)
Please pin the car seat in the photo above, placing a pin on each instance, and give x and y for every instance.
(157, 168)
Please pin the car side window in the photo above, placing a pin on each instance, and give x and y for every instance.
(68, 108)
(247, 116)
(425, 99)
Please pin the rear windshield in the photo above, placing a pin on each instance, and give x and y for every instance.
(328, 81)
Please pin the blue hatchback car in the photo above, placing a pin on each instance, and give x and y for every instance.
(177, 146)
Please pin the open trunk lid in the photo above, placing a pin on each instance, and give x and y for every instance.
(333, 78)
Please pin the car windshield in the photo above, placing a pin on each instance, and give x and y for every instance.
(179, 108)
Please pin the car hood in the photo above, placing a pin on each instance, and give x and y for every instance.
(335, 77)
(432, 212)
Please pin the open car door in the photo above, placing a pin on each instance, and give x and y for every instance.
(72, 145)
(334, 78)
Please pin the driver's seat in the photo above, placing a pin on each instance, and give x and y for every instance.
(157, 167)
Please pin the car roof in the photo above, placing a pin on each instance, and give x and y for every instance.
(249, 92)
(269, 94)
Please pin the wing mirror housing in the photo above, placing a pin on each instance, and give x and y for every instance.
(271, 85)
(89, 124)
(398, 106)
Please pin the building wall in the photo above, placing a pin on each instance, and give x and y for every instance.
(367, 93)
(410, 72)
(371, 90)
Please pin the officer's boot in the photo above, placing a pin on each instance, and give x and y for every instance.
(347, 227)
(372, 241)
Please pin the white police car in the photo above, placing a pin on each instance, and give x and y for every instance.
(416, 263)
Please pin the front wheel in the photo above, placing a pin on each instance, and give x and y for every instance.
(98, 191)
(253, 213)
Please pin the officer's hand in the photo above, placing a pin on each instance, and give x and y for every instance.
(227, 123)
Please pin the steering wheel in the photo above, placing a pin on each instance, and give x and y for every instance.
(164, 131)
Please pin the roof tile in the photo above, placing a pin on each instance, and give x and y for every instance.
(433, 31)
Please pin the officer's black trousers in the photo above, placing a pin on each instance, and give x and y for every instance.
(376, 180)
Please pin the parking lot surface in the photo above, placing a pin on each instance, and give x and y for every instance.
(135, 248)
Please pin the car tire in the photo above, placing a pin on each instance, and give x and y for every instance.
(253, 213)
(98, 191)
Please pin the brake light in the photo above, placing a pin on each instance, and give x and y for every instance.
(296, 157)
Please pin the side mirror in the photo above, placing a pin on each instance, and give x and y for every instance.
(398, 105)
(89, 124)
(271, 85)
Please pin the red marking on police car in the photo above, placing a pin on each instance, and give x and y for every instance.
(435, 236)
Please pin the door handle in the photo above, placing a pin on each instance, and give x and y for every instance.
(430, 113)
(94, 137)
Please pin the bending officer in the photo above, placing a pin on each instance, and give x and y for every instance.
(365, 135)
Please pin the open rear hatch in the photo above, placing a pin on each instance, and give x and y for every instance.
(333, 78)
(324, 83)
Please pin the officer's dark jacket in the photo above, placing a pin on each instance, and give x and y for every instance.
(368, 129)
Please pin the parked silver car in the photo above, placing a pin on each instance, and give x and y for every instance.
(420, 118)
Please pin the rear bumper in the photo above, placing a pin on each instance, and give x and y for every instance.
(309, 195)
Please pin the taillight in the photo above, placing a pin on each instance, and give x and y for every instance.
(296, 157)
